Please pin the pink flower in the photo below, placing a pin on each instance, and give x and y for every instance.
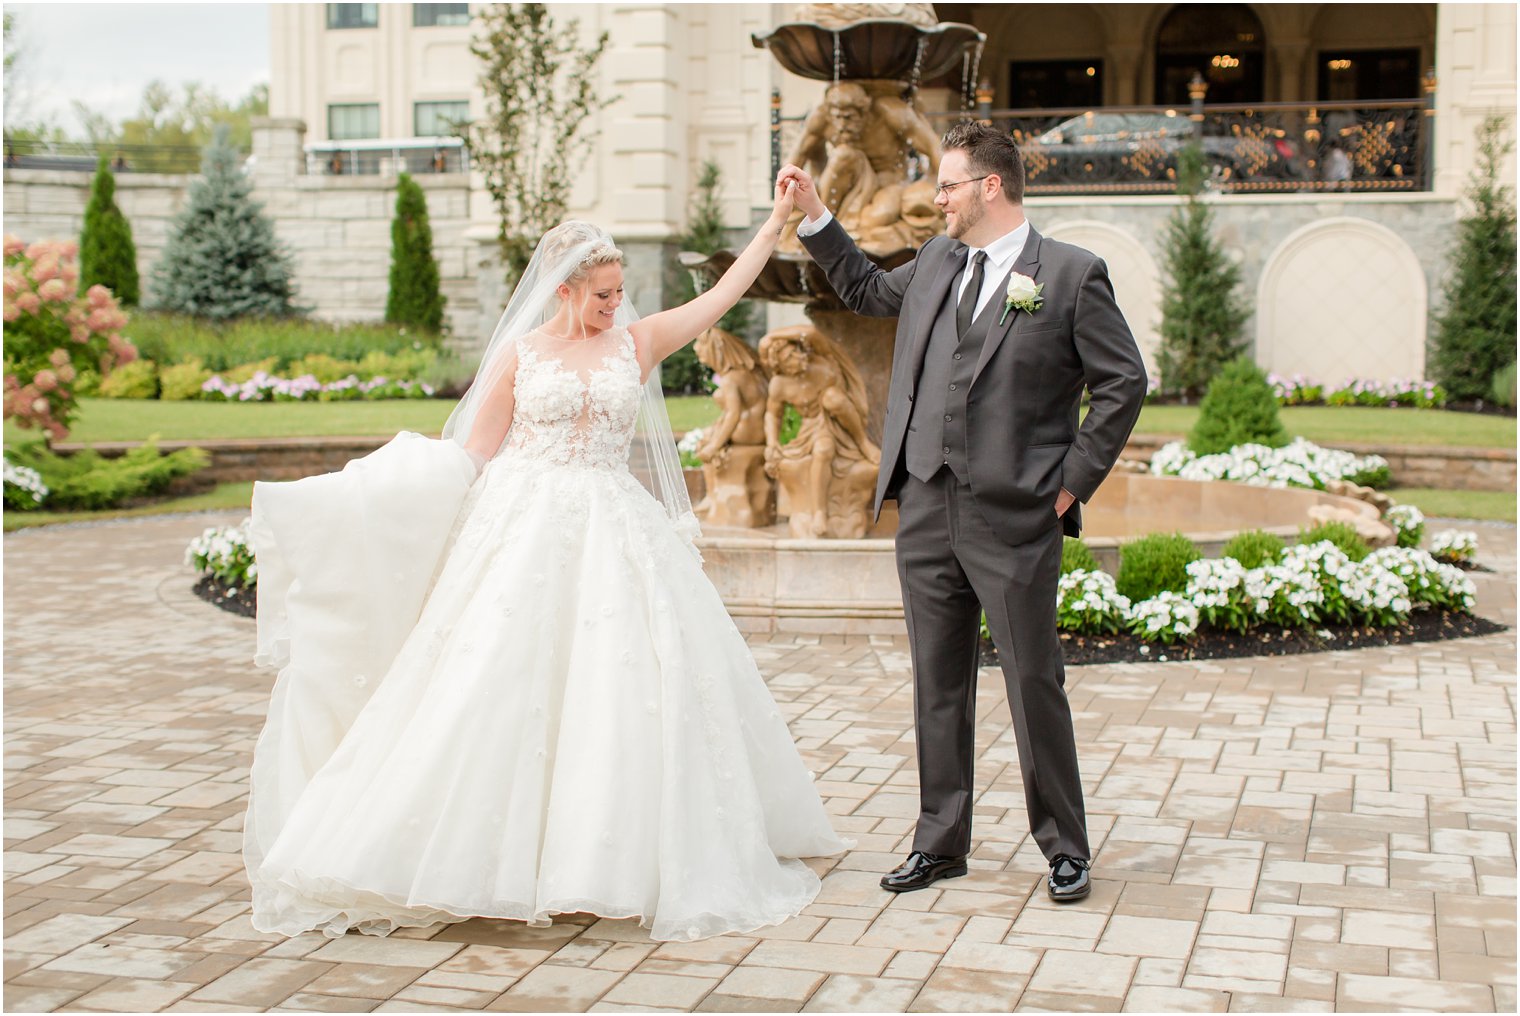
(14, 245)
(40, 406)
(10, 313)
(67, 374)
(11, 383)
(79, 333)
(124, 350)
(57, 430)
(55, 290)
(100, 319)
(59, 357)
(37, 248)
(98, 296)
(28, 303)
(45, 380)
(15, 282)
(45, 268)
(69, 249)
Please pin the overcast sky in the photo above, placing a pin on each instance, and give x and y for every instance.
(104, 54)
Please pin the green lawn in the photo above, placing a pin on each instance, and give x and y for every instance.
(1496, 505)
(227, 496)
(134, 420)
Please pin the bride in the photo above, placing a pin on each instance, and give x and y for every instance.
(506, 688)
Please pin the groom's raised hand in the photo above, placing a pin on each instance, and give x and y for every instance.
(803, 190)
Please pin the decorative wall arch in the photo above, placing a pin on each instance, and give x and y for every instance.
(1135, 275)
(1341, 298)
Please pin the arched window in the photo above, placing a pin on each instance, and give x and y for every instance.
(1223, 42)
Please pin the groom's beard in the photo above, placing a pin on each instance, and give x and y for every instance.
(967, 218)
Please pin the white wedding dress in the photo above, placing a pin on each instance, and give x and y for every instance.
(514, 697)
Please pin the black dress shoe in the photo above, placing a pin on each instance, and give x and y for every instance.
(1068, 879)
(922, 870)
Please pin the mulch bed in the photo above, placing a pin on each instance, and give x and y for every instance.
(239, 601)
(1268, 640)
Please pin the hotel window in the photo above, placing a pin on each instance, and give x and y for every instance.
(353, 15)
(440, 15)
(1369, 75)
(353, 121)
(1055, 84)
(439, 119)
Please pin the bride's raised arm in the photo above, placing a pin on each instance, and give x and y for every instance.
(661, 334)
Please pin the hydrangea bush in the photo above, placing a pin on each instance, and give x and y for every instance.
(1300, 463)
(224, 554)
(53, 334)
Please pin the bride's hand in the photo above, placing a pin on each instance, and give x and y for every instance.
(786, 192)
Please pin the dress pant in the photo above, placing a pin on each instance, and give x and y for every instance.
(952, 565)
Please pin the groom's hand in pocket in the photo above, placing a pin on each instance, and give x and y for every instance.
(1064, 500)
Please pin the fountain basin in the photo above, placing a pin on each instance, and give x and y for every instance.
(772, 582)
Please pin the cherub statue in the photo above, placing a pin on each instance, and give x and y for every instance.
(733, 449)
(827, 472)
(856, 144)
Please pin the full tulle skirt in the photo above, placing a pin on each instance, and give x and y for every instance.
(572, 724)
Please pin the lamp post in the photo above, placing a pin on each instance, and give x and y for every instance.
(1197, 89)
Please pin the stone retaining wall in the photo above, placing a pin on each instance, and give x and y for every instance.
(290, 458)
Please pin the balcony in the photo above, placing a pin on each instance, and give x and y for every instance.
(381, 157)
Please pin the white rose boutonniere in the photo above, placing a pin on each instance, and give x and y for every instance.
(1023, 294)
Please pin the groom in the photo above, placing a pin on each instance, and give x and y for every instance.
(999, 331)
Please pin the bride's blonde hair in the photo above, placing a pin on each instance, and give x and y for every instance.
(567, 236)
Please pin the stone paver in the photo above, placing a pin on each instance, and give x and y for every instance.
(1299, 833)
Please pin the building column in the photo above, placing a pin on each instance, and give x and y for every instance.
(1475, 78)
(1123, 85)
(1292, 55)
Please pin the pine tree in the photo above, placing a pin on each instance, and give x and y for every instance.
(1240, 407)
(1202, 315)
(1475, 332)
(705, 234)
(414, 299)
(223, 259)
(107, 255)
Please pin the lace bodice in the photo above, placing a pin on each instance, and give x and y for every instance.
(576, 400)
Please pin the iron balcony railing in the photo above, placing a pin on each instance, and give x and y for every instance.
(1263, 148)
(379, 157)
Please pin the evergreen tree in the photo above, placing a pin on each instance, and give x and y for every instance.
(414, 299)
(1202, 316)
(223, 259)
(705, 234)
(1475, 331)
(107, 255)
(1240, 408)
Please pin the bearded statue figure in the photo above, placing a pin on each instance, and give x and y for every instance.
(827, 472)
(733, 449)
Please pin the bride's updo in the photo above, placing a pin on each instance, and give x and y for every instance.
(563, 240)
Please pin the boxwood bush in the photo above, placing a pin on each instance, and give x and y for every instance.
(1155, 564)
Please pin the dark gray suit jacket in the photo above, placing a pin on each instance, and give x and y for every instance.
(1023, 439)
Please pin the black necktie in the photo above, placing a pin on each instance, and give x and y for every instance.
(965, 311)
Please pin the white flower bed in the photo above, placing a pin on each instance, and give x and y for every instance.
(1299, 464)
(1089, 602)
(1427, 580)
(1165, 617)
(28, 484)
(1454, 545)
(1408, 524)
(225, 554)
(688, 445)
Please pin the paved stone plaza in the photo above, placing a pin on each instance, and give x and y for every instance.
(1308, 833)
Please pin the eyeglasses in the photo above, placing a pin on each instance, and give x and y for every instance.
(946, 188)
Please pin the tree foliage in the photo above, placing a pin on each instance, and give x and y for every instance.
(1475, 331)
(170, 126)
(539, 93)
(705, 234)
(414, 298)
(107, 255)
(1202, 316)
(222, 259)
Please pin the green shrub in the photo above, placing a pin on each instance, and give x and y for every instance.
(414, 298)
(107, 255)
(1239, 408)
(1503, 391)
(1254, 548)
(87, 384)
(1155, 564)
(135, 380)
(402, 365)
(1075, 556)
(88, 481)
(1474, 334)
(245, 371)
(176, 338)
(182, 381)
(322, 367)
(1342, 534)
